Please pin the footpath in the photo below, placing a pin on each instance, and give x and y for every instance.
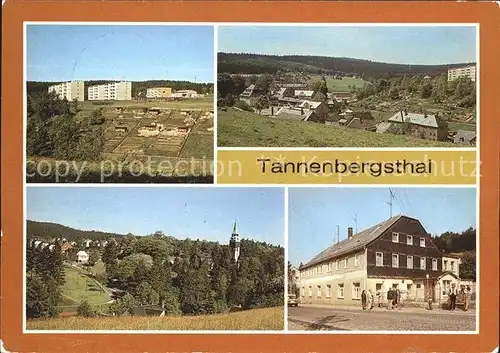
(408, 309)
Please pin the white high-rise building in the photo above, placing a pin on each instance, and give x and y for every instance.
(120, 91)
(467, 71)
(70, 90)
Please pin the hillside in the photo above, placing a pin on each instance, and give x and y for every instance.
(54, 230)
(257, 319)
(258, 63)
(244, 129)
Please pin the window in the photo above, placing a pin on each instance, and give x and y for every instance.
(395, 260)
(378, 287)
(319, 291)
(422, 242)
(345, 262)
(409, 261)
(356, 291)
(337, 265)
(422, 263)
(395, 237)
(340, 290)
(445, 265)
(379, 259)
(310, 291)
(434, 264)
(409, 239)
(419, 286)
(408, 287)
(302, 292)
(356, 260)
(452, 263)
(328, 291)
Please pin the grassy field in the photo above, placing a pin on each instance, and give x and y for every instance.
(257, 319)
(458, 126)
(244, 129)
(78, 287)
(340, 85)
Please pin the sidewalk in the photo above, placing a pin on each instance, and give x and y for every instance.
(409, 309)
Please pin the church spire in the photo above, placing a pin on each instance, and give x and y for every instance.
(234, 227)
(234, 243)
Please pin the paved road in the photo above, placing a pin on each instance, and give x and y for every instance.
(314, 318)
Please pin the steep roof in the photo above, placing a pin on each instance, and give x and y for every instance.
(415, 118)
(303, 93)
(463, 136)
(248, 91)
(358, 241)
(293, 114)
(309, 104)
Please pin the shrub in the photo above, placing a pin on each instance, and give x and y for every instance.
(84, 309)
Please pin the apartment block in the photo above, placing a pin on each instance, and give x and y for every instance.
(158, 92)
(467, 71)
(120, 91)
(70, 90)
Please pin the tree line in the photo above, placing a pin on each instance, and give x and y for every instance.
(194, 277)
(258, 63)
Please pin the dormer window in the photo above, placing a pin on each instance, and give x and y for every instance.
(395, 237)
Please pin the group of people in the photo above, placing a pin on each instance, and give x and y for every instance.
(367, 299)
(393, 299)
(465, 292)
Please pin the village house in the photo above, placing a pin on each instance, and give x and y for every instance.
(82, 257)
(396, 253)
(185, 94)
(303, 94)
(357, 120)
(425, 126)
(249, 95)
(320, 108)
(300, 114)
(463, 137)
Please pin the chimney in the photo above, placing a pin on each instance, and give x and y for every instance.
(425, 115)
(402, 116)
(301, 111)
(349, 233)
(272, 111)
(406, 112)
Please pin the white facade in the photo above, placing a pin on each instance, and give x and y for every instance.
(69, 90)
(82, 257)
(158, 92)
(120, 91)
(467, 71)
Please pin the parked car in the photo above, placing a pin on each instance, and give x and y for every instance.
(293, 300)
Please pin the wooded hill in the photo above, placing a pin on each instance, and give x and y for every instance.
(186, 277)
(137, 86)
(244, 63)
(48, 230)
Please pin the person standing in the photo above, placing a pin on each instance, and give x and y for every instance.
(453, 297)
(363, 299)
(467, 295)
(389, 299)
(398, 298)
(370, 299)
(379, 298)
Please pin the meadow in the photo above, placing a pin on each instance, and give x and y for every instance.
(343, 85)
(245, 129)
(256, 319)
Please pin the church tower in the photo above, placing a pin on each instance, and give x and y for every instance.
(234, 244)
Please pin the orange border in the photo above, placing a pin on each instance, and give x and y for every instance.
(15, 12)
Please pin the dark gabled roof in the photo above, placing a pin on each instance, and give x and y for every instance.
(463, 136)
(358, 241)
